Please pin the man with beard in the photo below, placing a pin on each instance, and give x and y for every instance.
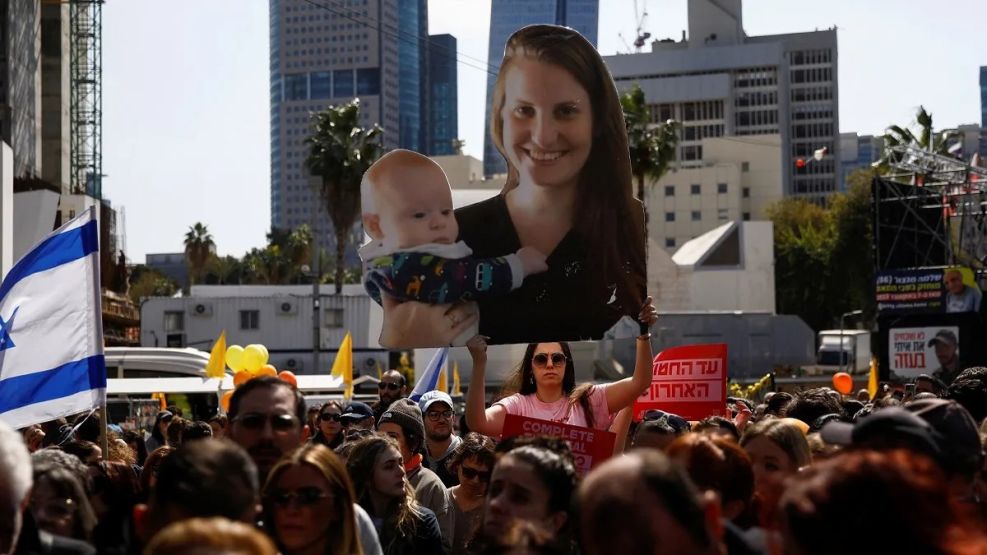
(392, 386)
(946, 352)
(440, 442)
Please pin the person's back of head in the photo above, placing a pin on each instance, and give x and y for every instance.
(15, 485)
(210, 535)
(718, 464)
(810, 404)
(777, 402)
(196, 430)
(643, 503)
(203, 479)
(970, 390)
(88, 427)
(901, 493)
(717, 425)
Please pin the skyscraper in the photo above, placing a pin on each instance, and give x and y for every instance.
(507, 16)
(443, 122)
(326, 53)
(983, 96)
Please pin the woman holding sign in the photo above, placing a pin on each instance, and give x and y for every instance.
(556, 119)
(546, 386)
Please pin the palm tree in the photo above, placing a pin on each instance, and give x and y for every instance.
(652, 147)
(926, 140)
(340, 152)
(199, 247)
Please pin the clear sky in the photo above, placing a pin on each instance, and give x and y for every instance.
(186, 109)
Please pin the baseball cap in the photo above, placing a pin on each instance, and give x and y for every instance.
(356, 411)
(944, 336)
(892, 427)
(434, 397)
(961, 439)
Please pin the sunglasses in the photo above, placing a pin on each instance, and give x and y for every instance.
(301, 497)
(444, 415)
(390, 386)
(279, 422)
(541, 359)
(330, 416)
(473, 474)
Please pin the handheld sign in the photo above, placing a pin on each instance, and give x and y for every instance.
(590, 447)
(690, 381)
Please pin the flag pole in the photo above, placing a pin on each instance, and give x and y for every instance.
(100, 342)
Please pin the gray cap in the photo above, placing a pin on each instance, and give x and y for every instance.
(431, 397)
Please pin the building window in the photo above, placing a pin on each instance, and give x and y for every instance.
(747, 216)
(721, 188)
(296, 86)
(696, 216)
(249, 319)
(368, 81)
(745, 166)
(669, 242)
(321, 83)
(342, 83)
(722, 215)
(669, 216)
(669, 190)
(745, 192)
(174, 320)
(332, 318)
(695, 189)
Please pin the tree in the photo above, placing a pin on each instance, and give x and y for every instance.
(926, 139)
(652, 147)
(199, 247)
(823, 257)
(149, 282)
(340, 152)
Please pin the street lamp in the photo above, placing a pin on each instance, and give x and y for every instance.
(842, 326)
(307, 271)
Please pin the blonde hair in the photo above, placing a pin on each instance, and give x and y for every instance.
(345, 537)
(787, 436)
(210, 535)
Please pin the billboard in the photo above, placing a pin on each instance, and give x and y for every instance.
(926, 350)
(927, 291)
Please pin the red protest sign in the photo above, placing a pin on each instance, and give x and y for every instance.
(590, 447)
(690, 381)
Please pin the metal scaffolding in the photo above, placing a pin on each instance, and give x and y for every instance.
(930, 210)
(86, 72)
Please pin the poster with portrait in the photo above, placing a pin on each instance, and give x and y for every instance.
(929, 290)
(557, 255)
(926, 350)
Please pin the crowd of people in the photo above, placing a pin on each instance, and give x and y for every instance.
(810, 472)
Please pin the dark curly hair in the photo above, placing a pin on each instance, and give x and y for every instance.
(474, 446)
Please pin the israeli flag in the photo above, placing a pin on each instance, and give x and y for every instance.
(51, 330)
(430, 377)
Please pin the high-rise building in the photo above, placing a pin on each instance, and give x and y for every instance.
(325, 54)
(720, 82)
(20, 84)
(507, 16)
(983, 96)
(443, 112)
(858, 152)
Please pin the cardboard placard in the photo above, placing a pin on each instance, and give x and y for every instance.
(914, 351)
(590, 447)
(690, 381)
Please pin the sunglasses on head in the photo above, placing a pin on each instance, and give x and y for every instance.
(473, 474)
(255, 421)
(301, 497)
(541, 359)
(386, 385)
(330, 417)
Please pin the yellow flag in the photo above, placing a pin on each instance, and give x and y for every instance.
(443, 384)
(455, 379)
(215, 368)
(872, 380)
(380, 371)
(342, 367)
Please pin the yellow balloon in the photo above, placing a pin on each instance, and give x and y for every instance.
(266, 354)
(253, 358)
(234, 358)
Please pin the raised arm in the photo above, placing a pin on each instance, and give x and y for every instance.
(487, 421)
(621, 394)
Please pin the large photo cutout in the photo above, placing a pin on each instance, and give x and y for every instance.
(558, 255)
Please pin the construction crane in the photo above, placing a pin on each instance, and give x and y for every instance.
(86, 95)
(640, 17)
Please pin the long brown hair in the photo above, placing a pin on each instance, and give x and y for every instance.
(610, 219)
(522, 381)
(345, 538)
(401, 517)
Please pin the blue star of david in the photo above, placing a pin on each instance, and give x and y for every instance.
(5, 341)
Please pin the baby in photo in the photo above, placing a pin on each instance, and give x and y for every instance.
(414, 254)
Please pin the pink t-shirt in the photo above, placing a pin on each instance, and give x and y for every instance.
(560, 411)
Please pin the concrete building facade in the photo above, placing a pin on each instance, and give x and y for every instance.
(718, 82)
(507, 16)
(739, 178)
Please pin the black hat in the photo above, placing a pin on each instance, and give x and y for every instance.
(888, 428)
(944, 336)
(356, 411)
(961, 439)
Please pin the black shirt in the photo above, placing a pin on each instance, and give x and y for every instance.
(562, 304)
